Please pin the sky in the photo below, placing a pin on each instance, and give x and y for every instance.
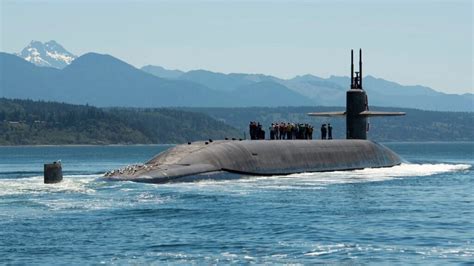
(418, 42)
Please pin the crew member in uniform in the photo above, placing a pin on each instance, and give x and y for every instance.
(272, 132)
(323, 131)
(329, 131)
(251, 131)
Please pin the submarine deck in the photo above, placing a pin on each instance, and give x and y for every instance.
(259, 157)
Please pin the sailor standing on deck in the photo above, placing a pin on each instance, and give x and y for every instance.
(294, 131)
(323, 131)
(282, 130)
(289, 128)
(310, 132)
(300, 131)
(251, 131)
(329, 131)
(271, 129)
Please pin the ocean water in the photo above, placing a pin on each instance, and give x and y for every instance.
(421, 212)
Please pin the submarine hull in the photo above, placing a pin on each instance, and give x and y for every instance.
(261, 157)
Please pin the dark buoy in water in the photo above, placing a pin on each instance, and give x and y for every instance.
(53, 173)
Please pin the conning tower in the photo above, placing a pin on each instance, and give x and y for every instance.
(356, 103)
(357, 106)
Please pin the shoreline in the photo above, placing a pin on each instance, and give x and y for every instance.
(86, 145)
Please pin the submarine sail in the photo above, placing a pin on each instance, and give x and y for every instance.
(357, 106)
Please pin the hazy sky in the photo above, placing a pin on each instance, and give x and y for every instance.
(411, 42)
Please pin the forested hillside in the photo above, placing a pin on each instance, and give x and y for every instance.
(26, 122)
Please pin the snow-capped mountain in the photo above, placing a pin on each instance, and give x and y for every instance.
(49, 54)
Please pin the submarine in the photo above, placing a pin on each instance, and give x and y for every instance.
(223, 159)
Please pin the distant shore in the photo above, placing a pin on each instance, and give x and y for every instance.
(86, 145)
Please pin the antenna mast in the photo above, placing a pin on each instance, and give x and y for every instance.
(352, 69)
(360, 69)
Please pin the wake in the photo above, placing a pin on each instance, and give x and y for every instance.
(86, 184)
(35, 185)
(319, 180)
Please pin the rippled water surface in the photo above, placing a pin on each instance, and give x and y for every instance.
(419, 212)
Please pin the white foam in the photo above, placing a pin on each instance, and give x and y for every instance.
(35, 185)
(320, 180)
(440, 252)
(310, 181)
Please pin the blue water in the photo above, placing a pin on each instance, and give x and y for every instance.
(421, 212)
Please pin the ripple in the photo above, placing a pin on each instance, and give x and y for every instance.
(407, 214)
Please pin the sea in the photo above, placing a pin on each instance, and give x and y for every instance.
(420, 212)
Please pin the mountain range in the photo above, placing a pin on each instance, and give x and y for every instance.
(332, 91)
(104, 80)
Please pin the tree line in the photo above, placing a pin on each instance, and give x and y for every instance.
(27, 122)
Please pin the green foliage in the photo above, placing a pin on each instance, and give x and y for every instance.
(174, 126)
(26, 122)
